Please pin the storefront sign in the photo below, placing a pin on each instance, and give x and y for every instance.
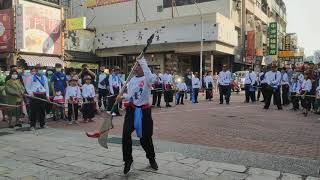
(39, 28)
(6, 30)
(273, 38)
(80, 40)
(95, 3)
(250, 47)
(76, 23)
(286, 54)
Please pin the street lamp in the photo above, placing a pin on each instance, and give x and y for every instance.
(201, 46)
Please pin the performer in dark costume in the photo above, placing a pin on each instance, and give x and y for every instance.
(138, 115)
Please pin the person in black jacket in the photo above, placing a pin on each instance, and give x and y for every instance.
(188, 81)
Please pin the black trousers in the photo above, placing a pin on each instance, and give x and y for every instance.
(156, 97)
(102, 97)
(168, 96)
(306, 102)
(38, 110)
(88, 108)
(276, 94)
(285, 95)
(209, 94)
(226, 92)
(180, 97)
(195, 93)
(262, 91)
(249, 94)
(295, 101)
(75, 111)
(147, 132)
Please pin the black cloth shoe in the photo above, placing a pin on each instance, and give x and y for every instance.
(153, 164)
(127, 167)
(221, 102)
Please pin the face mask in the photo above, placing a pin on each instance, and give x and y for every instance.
(58, 93)
(58, 69)
(14, 76)
(50, 72)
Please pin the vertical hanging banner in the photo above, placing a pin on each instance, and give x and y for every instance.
(6, 30)
(273, 38)
(250, 47)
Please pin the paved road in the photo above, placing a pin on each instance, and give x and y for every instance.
(237, 126)
(67, 155)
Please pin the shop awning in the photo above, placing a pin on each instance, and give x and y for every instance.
(32, 60)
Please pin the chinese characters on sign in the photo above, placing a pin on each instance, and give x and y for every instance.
(39, 28)
(273, 38)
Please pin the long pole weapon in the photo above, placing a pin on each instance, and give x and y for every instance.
(102, 135)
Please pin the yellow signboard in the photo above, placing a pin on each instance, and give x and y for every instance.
(91, 3)
(76, 23)
(286, 54)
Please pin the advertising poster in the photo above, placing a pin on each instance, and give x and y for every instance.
(6, 31)
(250, 47)
(38, 28)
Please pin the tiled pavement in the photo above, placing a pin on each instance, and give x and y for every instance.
(66, 154)
(237, 126)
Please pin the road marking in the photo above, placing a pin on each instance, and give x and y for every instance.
(203, 109)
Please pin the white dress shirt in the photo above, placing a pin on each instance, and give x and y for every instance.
(208, 80)
(182, 86)
(306, 85)
(273, 78)
(167, 79)
(114, 82)
(301, 78)
(250, 78)
(101, 78)
(73, 91)
(157, 79)
(195, 83)
(36, 87)
(224, 78)
(88, 91)
(295, 87)
(139, 87)
(284, 79)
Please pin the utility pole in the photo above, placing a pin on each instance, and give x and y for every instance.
(243, 29)
(201, 42)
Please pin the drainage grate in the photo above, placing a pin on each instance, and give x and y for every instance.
(5, 133)
(117, 140)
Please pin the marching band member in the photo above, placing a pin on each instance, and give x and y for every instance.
(182, 88)
(115, 84)
(208, 80)
(168, 83)
(73, 96)
(306, 93)
(89, 105)
(262, 84)
(295, 91)
(195, 87)
(273, 79)
(138, 116)
(250, 81)
(285, 87)
(224, 84)
(157, 87)
(38, 88)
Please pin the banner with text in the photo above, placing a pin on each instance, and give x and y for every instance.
(76, 23)
(250, 47)
(273, 38)
(38, 28)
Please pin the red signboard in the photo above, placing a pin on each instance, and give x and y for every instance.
(250, 47)
(6, 30)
